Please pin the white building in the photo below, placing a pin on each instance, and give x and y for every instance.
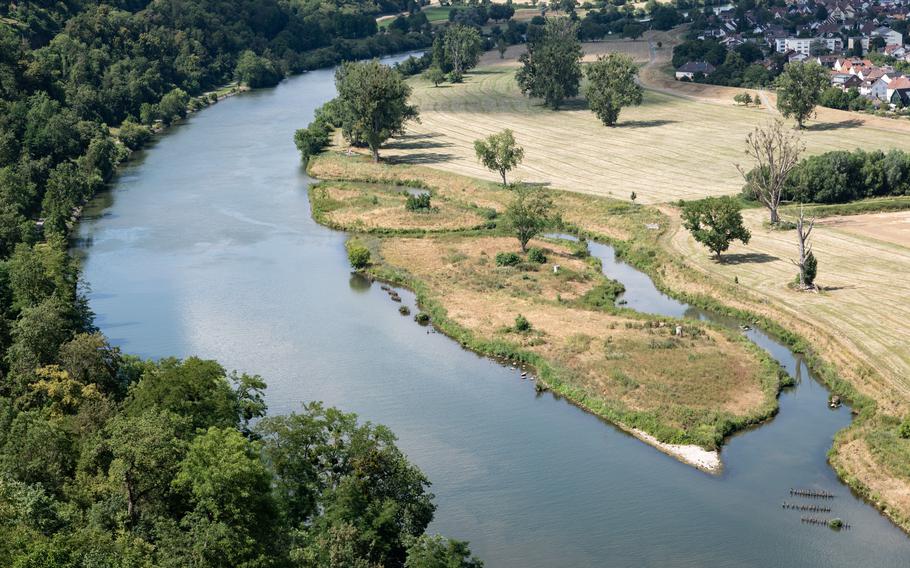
(804, 44)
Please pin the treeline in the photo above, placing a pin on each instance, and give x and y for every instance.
(738, 67)
(841, 177)
(106, 460)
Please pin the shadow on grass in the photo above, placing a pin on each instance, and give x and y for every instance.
(421, 158)
(417, 142)
(747, 258)
(826, 126)
(644, 123)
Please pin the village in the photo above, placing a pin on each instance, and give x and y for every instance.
(862, 44)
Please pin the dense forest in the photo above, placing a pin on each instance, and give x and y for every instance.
(107, 460)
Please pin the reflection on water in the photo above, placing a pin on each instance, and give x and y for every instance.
(206, 246)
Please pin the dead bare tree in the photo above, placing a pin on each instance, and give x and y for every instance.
(806, 263)
(776, 151)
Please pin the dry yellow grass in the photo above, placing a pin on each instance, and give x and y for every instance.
(863, 306)
(671, 147)
(614, 357)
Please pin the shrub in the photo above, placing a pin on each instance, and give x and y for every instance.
(522, 325)
(419, 202)
(904, 430)
(507, 259)
(422, 318)
(358, 255)
(133, 135)
(404, 310)
(536, 255)
(811, 269)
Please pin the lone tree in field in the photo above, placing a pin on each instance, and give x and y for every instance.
(550, 68)
(799, 89)
(612, 86)
(373, 103)
(715, 222)
(776, 152)
(499, 152)
(530, 212)
(808, 265)
(463, 47)
(434, 75)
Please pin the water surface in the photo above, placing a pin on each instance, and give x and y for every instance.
(206, 246)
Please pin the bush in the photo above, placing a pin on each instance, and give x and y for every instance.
(904, 430)
(419, 202)
(536, 255)
(811, 269)
(422, 318)
(522, 325)
(133, 135)
(358, 255)
(507, 259)
(404, 310)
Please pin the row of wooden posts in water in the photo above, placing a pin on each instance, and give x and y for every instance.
(811, 493)
(830, 523)
(813, 508)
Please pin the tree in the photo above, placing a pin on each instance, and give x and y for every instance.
(531, 211)
(255, 71)
(501, 45)
(743, 98)
(373, 101)
(611, 86)
(799, 89)
(434, 75)
(715, 222)
(499, 152)
(808, 265)
(550, 68)
(358, 255)
(173, 105)
(463, 47)
(776, 152)
(439, 552)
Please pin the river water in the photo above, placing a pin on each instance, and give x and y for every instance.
(205, 246)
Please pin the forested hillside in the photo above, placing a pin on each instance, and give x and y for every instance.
(107, 460)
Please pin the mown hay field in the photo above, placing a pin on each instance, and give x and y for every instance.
(669, 148)
(863, 302)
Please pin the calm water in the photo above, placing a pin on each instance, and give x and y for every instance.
(206, 246)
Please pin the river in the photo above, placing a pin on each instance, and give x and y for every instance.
(205, 245)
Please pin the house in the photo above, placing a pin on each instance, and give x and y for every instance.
(845, 81)
(826, 60)
(804, 44)
(692, 68)
(879, 89)
(899, 86)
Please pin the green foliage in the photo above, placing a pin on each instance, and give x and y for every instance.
(435, 75)
(440, 552)
(550, 68)
(358, 255)
(743, 98)
(173, 105)
(507, 259)
(372, 103)
(463, 48)
(537, 255)
(419, 202)
(134, 135)
(799, 89)
(522, 325)
(904, 429)
(530, 212)
(841, 176)
(612, 85)
(422, 318)
(255, 71)
(715, 222)
(499, 152)
(811, 269)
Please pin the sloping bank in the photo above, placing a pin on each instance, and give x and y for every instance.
(680, 385)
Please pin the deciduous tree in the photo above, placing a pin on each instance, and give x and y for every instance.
(463, 47)
(550, 68)
(799, 89)
(499, 152)
(373, 101)
(531, 211)
(715, 222)
(775, 152)
(612, 86)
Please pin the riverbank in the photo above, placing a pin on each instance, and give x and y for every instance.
(641, 236)
(687, 386)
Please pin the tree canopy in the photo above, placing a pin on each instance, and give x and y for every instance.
(373, 103)
(799, 89)
(715, 222)
(612, 86)
(550, 68)
(499, 152)
(529, 213)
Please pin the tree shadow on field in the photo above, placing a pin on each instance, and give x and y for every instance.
(417, 142)
(836, 288)
(747, 258)
(420, 158)
(826, 126)
(645, 123)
